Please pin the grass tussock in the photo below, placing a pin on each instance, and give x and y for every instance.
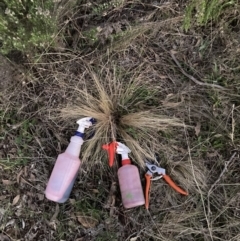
(113, 102)
(204, 11)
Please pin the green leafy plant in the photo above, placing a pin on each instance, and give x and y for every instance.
(106, 6)
(26, 24)
(204, 11)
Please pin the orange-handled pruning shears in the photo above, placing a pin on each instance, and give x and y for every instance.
(162, 172)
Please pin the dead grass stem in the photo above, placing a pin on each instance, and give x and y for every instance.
(112, 101)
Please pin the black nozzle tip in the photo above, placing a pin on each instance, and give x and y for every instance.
(93, 120)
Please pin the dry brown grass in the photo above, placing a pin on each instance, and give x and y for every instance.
(113, 102)
(140, 96)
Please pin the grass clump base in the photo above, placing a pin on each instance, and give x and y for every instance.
(113, 101)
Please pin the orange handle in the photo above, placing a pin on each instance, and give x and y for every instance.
(147, 188)
(173, 185)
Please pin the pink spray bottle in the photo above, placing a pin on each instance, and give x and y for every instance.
(128, 176)
(67, 165)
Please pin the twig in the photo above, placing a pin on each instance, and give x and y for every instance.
(219, 178)
(54, 217)
(233, 125)
(223, 171)
(111, 198)
(191, 77)
(198, 187)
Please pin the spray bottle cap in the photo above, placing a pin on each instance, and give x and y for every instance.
(84, 123)
(120, 148)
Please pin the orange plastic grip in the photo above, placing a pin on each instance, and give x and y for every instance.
(147, 188)
(111, 149)
(173, 185)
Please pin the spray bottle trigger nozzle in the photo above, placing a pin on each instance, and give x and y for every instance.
(111, 149)
(93, 121)
(84, 123)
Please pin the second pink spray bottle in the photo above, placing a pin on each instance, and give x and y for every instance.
(128, 176)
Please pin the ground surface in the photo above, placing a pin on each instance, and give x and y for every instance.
(192, 75)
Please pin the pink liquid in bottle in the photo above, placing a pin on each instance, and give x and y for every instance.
(67, 165)
(65, 172)
(130, 185)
